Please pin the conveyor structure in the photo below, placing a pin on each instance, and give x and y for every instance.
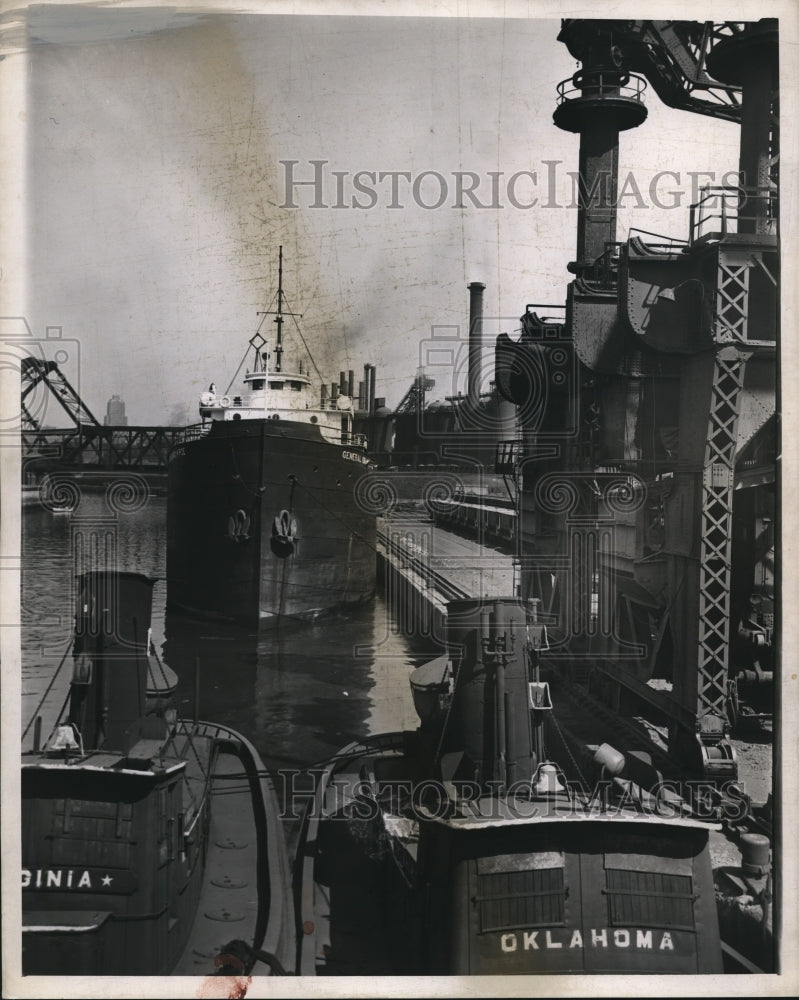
(648, 457)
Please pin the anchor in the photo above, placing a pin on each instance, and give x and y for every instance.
(284, 532)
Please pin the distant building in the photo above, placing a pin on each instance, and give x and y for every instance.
(115, 413)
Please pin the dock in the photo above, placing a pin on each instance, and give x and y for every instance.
(425, 566)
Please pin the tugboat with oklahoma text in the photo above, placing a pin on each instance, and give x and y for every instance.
(264, 521)
(505, 836)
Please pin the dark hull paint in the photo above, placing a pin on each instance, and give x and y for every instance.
(161, 911)
(555, 893)
(134, 911)
(225, 492)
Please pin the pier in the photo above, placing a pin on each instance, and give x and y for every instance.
(424, 566)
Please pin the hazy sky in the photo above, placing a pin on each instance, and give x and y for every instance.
(156, 143)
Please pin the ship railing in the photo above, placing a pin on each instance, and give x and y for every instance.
(232, 401)
(330, 405)
(724, 210)
(356, 440)
(193, 433)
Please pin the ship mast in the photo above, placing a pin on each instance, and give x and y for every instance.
(279, 315)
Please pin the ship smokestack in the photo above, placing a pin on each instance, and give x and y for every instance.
(369, 388)
(490, 716)
(108, 690)
(350, 383)
(323, 398)
(475, 340)
(342, 383)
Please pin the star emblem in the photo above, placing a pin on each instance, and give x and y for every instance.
(107, 880)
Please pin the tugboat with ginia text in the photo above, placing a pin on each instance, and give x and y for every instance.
(150, 844)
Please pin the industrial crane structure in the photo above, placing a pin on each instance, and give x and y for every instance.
(37, 371)
(647, 410)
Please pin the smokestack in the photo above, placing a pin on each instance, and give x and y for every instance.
(371, 388)
(333, 392)
(350, 383)
(361, 405)
(323, 399)
(475, 340)
(342, 383)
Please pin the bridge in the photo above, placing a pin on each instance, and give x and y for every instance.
(87, 444)
(93, 445)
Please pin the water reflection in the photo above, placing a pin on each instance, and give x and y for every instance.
(298, 692)
(301, 691)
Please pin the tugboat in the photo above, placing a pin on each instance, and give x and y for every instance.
(492, 840)
(132, 864)
(264, 520)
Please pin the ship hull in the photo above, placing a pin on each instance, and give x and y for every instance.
(264, 524)
(108, 885)
(389, 887)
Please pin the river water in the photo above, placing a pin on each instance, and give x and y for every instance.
(299, 693)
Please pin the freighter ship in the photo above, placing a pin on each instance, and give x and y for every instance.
(264, 519)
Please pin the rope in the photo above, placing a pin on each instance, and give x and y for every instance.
(568, 750)
(455, 675)
(336, 516)
(304, 344)
(282, 602)
(58, 720)
(47, 690)
(247, 351)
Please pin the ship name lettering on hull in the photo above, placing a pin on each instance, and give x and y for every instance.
(601, 937)
(354, 456)
(78, 880)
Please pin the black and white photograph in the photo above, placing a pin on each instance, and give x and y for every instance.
(393, 500)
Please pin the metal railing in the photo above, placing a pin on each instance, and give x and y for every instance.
(662, 243)
(720, 211)
(355, 440)
(430, 580)
(196, 431)
(603, 84)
